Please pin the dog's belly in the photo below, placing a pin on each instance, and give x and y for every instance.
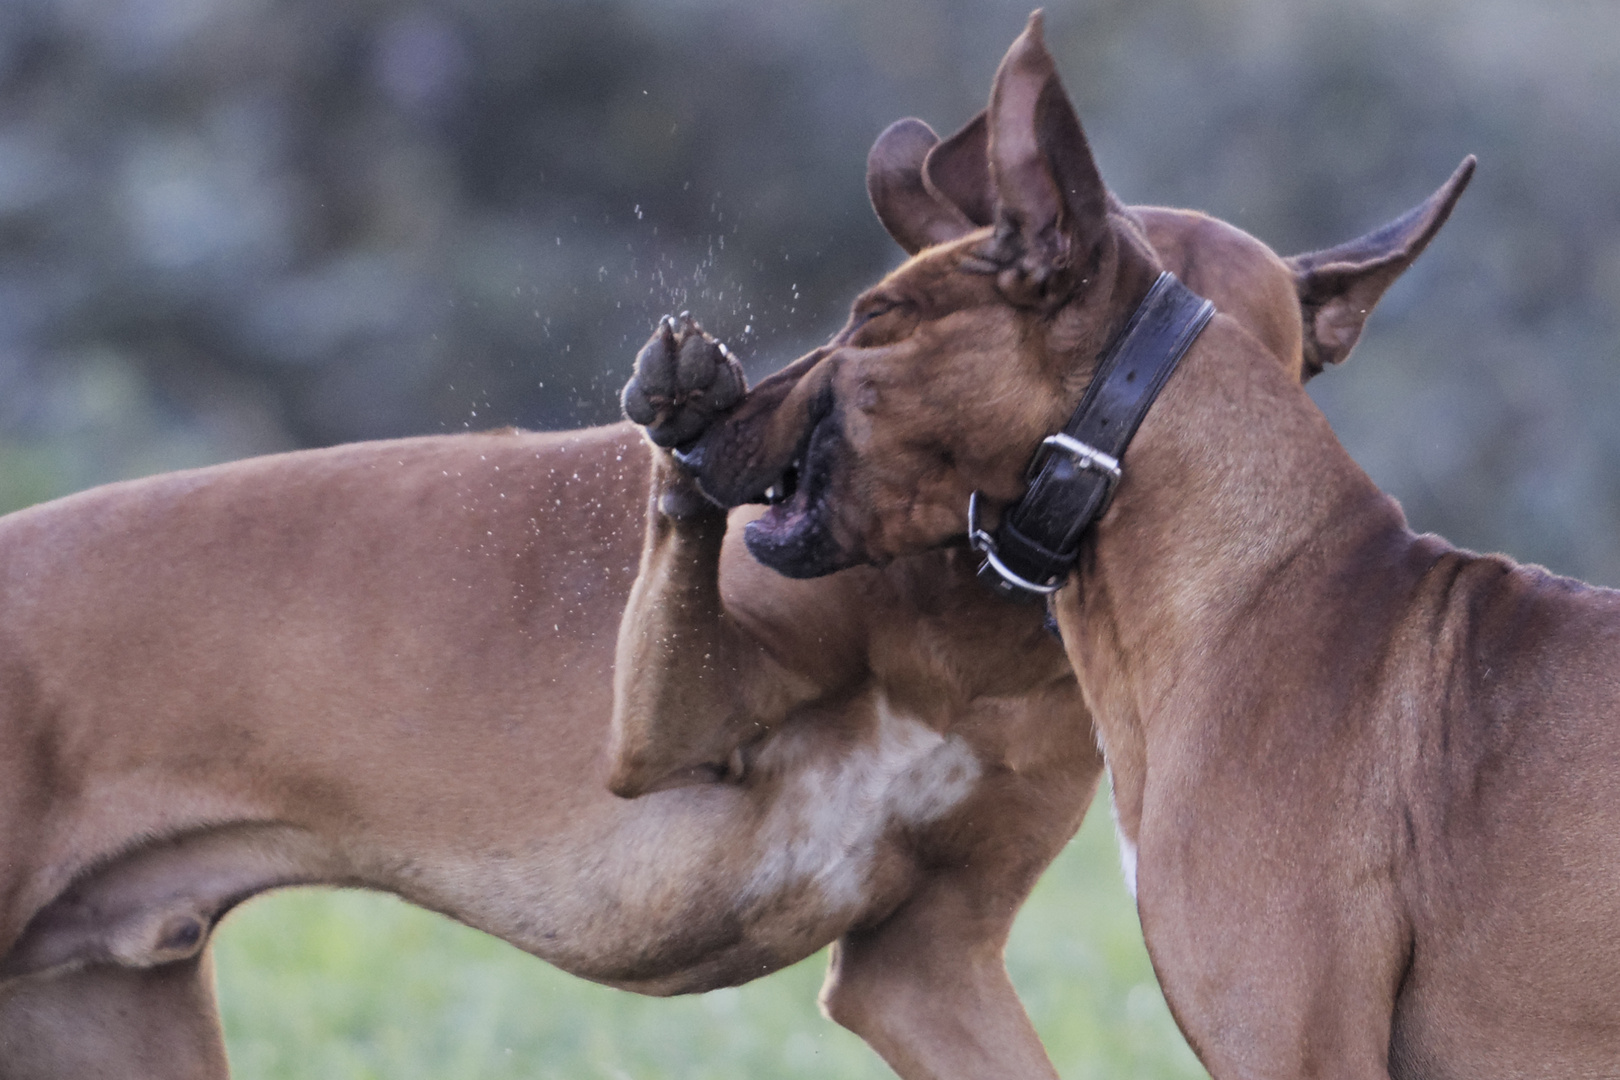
(701, 887)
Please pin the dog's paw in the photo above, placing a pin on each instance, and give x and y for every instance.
(684, 380)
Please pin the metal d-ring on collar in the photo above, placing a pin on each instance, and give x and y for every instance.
(1075, 471)
(985, 544)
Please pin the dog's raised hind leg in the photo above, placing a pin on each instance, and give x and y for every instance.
(113, 1023)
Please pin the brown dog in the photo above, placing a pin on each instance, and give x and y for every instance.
(1369, 779)
(390, 665)
(697, 687)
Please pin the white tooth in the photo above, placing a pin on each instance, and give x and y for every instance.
(773, 493)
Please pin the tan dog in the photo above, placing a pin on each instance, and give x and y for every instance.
(1370, 780)
(390, 665)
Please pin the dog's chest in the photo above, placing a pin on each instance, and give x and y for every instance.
(826, 827)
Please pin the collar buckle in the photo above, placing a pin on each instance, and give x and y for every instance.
(1086, 458)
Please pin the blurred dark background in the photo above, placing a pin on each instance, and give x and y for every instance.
(229, 227)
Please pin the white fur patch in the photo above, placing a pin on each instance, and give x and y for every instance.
(824, 827)
(1127, 848)
(1127, 859)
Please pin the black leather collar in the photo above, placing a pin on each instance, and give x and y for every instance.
(1075, 471)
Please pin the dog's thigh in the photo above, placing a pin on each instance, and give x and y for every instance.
(928, 990)
(114, 1023)
(927, 987)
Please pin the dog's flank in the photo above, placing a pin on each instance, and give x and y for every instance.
(388, 665)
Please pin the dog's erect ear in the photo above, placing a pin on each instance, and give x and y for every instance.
(1051, 206)
(1339, 286)
(911, 213)
(957, 171)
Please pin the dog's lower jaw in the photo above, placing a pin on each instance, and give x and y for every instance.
(632, 779)
(797, 550)
(796, 536)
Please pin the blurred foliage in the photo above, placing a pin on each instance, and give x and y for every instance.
(293, 222)
(328, 984)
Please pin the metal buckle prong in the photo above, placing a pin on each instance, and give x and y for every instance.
(1088, 458)
(985, 544)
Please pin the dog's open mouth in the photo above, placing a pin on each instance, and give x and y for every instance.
(785, 487)
(794, 535)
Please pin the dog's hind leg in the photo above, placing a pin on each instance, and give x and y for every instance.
(106, 1022)
(927, 987)
(928, 990)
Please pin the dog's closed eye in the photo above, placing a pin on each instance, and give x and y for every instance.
(868, 312)
(861, 318)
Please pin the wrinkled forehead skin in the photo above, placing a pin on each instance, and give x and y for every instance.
(927, 309)
(952, 368)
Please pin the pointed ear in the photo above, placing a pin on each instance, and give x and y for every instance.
(1338, 287)
(1051, 206)
(894, 180)
(957, 171)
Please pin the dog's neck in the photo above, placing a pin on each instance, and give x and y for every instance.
(941, 634)
(1237, 495)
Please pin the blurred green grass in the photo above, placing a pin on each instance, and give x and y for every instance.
(350, 986)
